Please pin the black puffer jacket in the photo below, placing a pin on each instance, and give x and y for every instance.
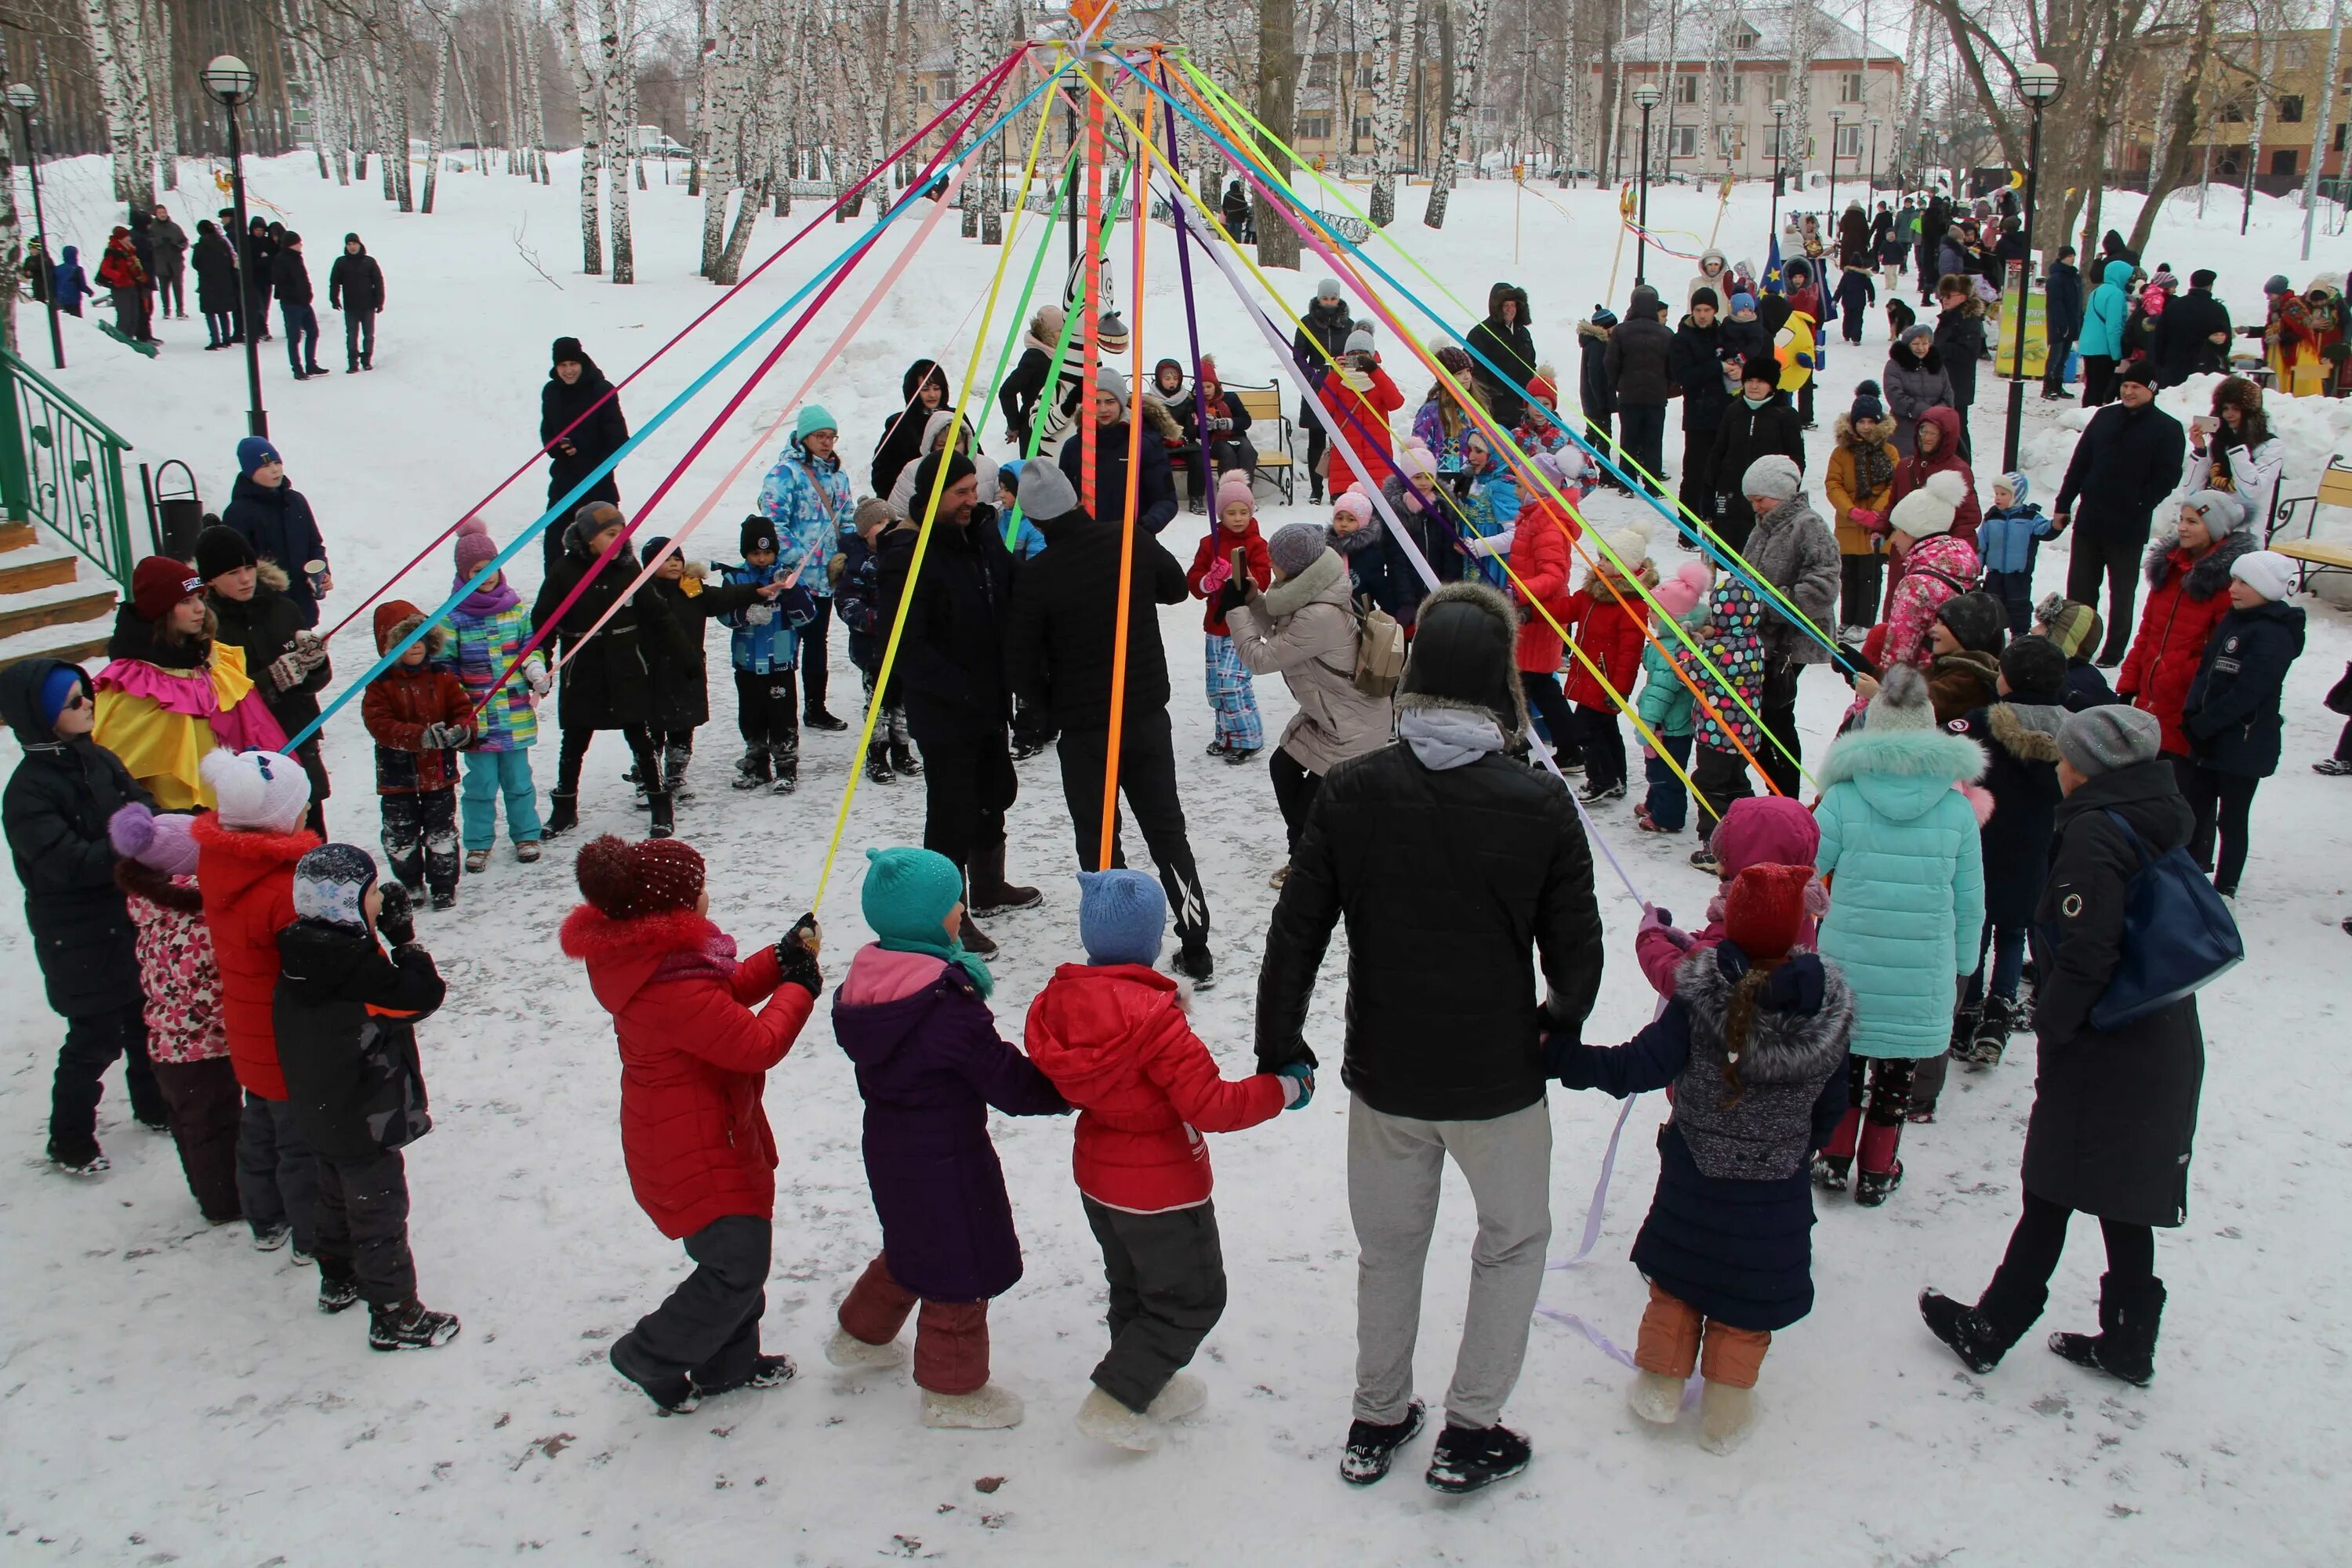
(2114, 1114)
(2182, 344)
(289, 277)
(2020, 742)
(682, 683)
(1960, 340)
(602, 430)
(950, 664)
(2125, 461)
(1446, 879)
(901, 441)
(1697, 367)
(215, 265)
(1747, 434)
(1641, 354)
(278, 522)
(265, 627)
(55, 811)
(346, 1017)
(1058, 642)
(1155, 487)
(2232, 717)
(609, 683)
(1511, 349)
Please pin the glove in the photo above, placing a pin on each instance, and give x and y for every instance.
(286, 671)
(1867, 519)
(1232, 595)
(396, 921)
(311, 649)
(759, 615)
(535, 676)
(442, 737)
(1301, 1076)
(796, 952)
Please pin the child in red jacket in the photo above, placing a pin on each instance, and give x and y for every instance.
(694, 1059)
(1606, 617)
(1240, 734)
(1111, 1033)
(419, 716)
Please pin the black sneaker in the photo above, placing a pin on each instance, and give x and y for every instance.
(821, 720)
(1195, 964)
(1703, 858)
(409, 1326)
(904, 760)
(1024, 749)
(1469, 1459)
(1216, 748)
(336, 1295)
(270, 1237)
(878, 767)
(1596, 793)
(1372, 1447)
(1238, 755)
(767, 1372)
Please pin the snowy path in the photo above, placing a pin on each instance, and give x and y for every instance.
(170, 1395)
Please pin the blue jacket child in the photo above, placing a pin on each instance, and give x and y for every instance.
(766, 637)
(1855, 294)
(2007, 541)
(71, 283)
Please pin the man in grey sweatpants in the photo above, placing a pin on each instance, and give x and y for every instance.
(1459, 871)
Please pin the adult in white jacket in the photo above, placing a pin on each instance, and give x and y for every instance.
(2234, 443)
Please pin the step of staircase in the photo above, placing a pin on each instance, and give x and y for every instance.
(53, 603)
(38, 564)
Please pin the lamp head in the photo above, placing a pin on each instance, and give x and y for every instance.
(1779, 108)
(1647, 95)
(229, 81)
(2039, 83)
(22, 97)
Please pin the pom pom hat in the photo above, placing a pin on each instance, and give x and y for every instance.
(256, 792)
(907, 894)
(1764, 909)
(627, 882)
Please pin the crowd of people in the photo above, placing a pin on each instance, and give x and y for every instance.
(1986, 803)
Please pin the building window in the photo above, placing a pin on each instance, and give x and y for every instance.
(1364, 126)
(1318, 72)
(1776, 85)
(1684, 142)
(1849, 142)
(2341, 129)
(2283, 161)
(1850, 87)
(1745, 39)
(2234, 113)
(1686, 88)
(1735, 88)
(1315, 128)
(1364, 75)
(2291, 108)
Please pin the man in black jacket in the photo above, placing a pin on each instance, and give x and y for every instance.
(1640, 362)
(950, 673)
(259, 252)
(1321, 338)
(1155, 491)
(1503, 354)
(1448, 861)
(1697, 365)
(355, 286)
(285, 660)
(1758, 423)
(2128, 458)
(2192, 336)
(290, 278)
(1058, 655)
(2062, 318)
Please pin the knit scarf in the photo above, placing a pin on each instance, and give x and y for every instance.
(948, 952)
(490, 600)
(1874, 467)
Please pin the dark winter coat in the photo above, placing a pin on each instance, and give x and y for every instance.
(1511, 350)
(280, 525)
(1748, 434)
(1855, 293)
(950, 664)
(397, 707)
(2183, 343)
(858, 602)
(1059, 635)
(694, 1059)
(1594, 394)
(264, 626)
(54, 810)
(2114, 1112)
(169, 242)
(1742, 341)
(1960, 339)
(2020, 742)
(355, 284)
(1730, 1230)
(930, 1065)
(1698, 369)
(1019, 396)
(1330, 329)
(2186, 598)
(346, 1017)
(1433, 535)
(682, 676)
(901, 439)
(260, 253)
(2125, 461)
(1155, 490)
(608, 684)
(215, 267)
(2086, 686)
(2063, 301)
(1452, 873)
(601, 430)
(2232, 717)
(290, 277)
(1640, 357)
(1914, 384)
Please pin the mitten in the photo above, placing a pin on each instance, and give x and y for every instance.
(535, 676)
(396, 921)
(286, 671)
(1216, 576)
(1299, 1085)
(796, 952)
(1865, 519)
(311, 648)
(759, 615)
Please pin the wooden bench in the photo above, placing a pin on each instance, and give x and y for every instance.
(1275, 463)
(2312, 559)
(2313, 556)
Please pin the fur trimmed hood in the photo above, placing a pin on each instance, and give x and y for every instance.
(1785, 1045)
(2026, 730)
(2209, 574)
(1902, 773)
(1293, 595)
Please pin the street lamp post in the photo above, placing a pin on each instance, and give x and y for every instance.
(1780, 114)
(22, 97)
(1837, 123)
(1647, 96)
(2039, 83)
(229, 82)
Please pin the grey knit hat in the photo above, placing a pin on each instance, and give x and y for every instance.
(1326, 289)
(2100, 740)
(1293, 547)
(2223, 512)
(1045, 492)
(1902, 703)
(1359, 342)
(1774, 476)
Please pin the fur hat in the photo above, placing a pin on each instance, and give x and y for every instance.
(1680, 595)
(159, 840)
(474, 549)
(160, 583)
(2101, 739)
(907, 894)
(625, 880)
(221, 549)
(330, 884)
(1295, 547)
(1764, 909)
(2223, 514)
(1464, 656)
(1933, 507)
(1774, 476)
(812, 419)
(2074, 625)
(1902, 703)
(2266, 572)
(1760, 367)
(1976, 621)
(256, 792)
(759, 534)
(1122, 917)
(1046, 491)
(2035, 668)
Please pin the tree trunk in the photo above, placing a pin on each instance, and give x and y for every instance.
(697, 134)
(1278, 79)
(2177, 127)
(440, 111)
(161, 111)
(2261, 123)
(747, 217)
(12, 238)
(728, 74)
(1605, 100)
(614, 47)
(591, 146)
(535, 100)
(1457, 115)
(1396, 28)
(106, 65)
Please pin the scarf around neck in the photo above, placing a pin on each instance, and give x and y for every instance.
(490, 600)
(953, 952)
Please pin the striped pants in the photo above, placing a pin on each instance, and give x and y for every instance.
(1231, 697)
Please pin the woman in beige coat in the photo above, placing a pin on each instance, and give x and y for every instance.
(1304, 628)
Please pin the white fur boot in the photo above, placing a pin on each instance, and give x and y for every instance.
(986, 1408)
(1184, 1395)
(1109, 1423)
(845, 1349)
(1655, 1397)
(1725, 1415)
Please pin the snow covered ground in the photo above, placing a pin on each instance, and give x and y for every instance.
(171, 1396)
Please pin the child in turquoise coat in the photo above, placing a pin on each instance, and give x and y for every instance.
(1665, 704)
(1906, 870)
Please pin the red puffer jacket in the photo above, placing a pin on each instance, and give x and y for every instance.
(2187, 596)
(1539, 559)
(247, 882)
(1117, 1045)
(694, 1059)
(1217, 551)
(1609, 633)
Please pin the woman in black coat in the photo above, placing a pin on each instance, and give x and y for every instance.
(608, 683)
(925, 388)
(1504, 342)
(215, 269)
(2232, 717)
(287, 661)
(2115, 1111)
(579, 432)
(2019, 735)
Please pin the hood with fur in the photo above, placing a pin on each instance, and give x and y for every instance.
(1902, 773)
(2209, 574)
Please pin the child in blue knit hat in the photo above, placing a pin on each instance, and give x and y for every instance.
(2013, 530)
(1112, 1035)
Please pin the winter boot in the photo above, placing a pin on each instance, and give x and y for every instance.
(786, 754)
(767, 1372)
(661, 824)
(1882, 1172)
(903, 757)
(1470, 1458)
(477, 861)
(1980, 1335)
(845, 1349)
(673, 760)
(673, 1392)
(1964, 1029)
(2125, 1346)
(974, 939)
(1183, 1396)
(1872, 1188)
(991, 894)
(78, 1163)
(1195, 964)
(409, 1326)
(818, 719)
(563, 814)
(1655, 1397)
(987, 1408)
(1726, 1416)
(1836, 1158)
(751, 772)
(1994, 1025)
(527, 852)
(1113, 1425)
(337, 1292)
(1372, 1447)
(877, 764)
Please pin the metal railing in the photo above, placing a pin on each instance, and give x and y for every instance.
(60, 465)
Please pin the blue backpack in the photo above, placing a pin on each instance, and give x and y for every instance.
(2177, 936)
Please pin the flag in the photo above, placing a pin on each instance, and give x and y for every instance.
(1773, 283)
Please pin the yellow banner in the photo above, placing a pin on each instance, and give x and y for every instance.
(2015, 297)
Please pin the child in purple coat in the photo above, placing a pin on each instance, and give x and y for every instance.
(913, 1016)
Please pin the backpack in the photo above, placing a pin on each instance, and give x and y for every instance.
(1379, 649)
(2177, 936)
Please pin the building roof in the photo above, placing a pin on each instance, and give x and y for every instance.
(1771, 32)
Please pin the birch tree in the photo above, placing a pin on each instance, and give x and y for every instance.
(1396, 25)
(441, 48)
(163, 135)
(591, 144)
(613, 46)
(12, 238)
(1455, 144)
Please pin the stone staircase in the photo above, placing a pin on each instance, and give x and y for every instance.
(53, 603)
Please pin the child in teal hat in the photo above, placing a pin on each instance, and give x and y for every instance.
(912, 1014)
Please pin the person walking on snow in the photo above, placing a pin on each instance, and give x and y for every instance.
(355, 286)
(289, 280)
(2128, 460)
